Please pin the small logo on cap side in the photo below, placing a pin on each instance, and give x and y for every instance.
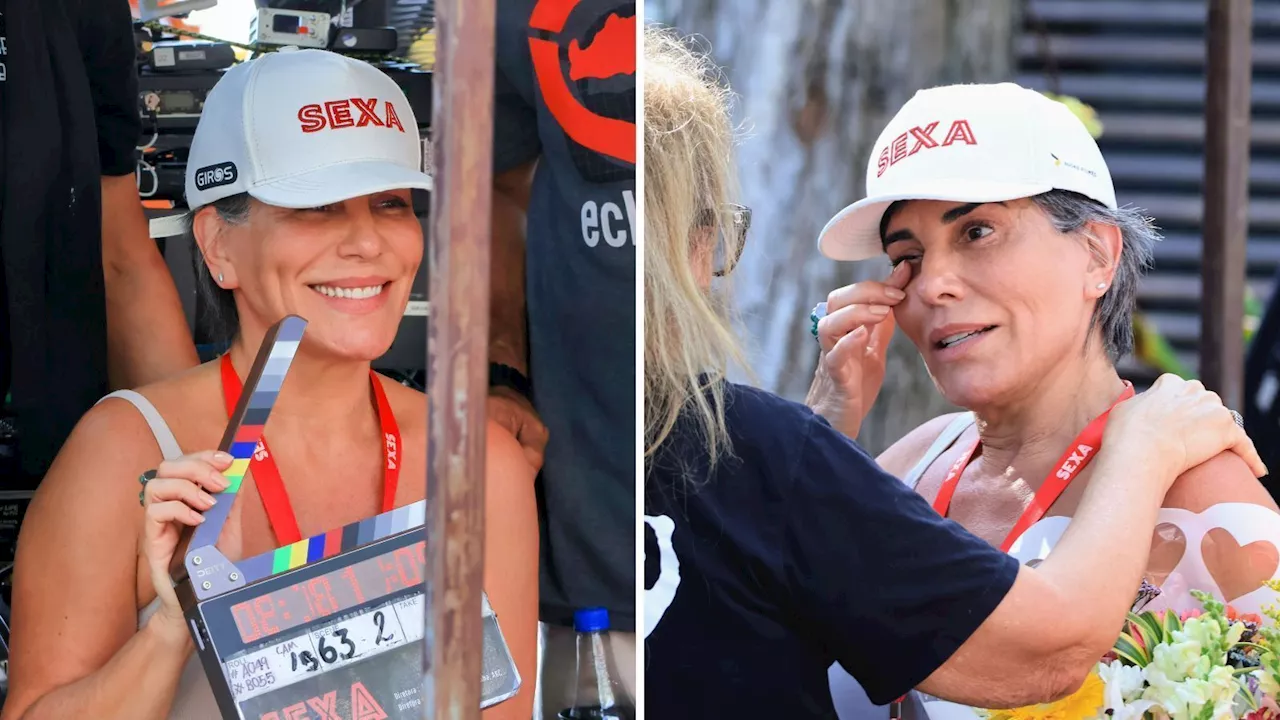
(1058, 162)
(896, 151)
(216, 176)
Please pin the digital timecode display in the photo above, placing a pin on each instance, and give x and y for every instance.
(329, 594)
(305, 662)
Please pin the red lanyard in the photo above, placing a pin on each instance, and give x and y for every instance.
(1079, 454)
(275, 499)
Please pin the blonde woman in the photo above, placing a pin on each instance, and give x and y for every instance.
(775, 546)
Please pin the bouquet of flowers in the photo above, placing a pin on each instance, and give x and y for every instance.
(1205, 664)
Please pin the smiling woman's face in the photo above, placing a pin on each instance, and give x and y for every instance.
(347, 268)
(998, 297)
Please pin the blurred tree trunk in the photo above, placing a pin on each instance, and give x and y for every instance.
(816, 82)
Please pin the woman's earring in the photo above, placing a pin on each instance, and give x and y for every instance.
(219, 278)
(1101, 286)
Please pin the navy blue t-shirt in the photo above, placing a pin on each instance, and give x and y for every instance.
(566, 97)
(796, 553)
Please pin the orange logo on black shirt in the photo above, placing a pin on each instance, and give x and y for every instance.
(611, 53)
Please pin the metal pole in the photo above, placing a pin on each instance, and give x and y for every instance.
(457, 357)
(1226, 197)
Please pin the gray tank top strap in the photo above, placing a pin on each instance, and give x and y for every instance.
(169, 447)
(949, 435)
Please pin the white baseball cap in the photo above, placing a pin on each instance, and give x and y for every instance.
(970, 144)
(304, 128)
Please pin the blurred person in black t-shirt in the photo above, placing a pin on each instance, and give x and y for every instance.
(89, 303)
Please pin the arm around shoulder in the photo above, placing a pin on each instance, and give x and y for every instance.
(511, 561)
(905, 598)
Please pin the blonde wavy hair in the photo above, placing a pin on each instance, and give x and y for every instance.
(689, 342)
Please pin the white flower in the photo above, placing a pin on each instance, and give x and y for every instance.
(1173, 663)
(1134, 711)
(1183, 682)
(1123, 686)
(1124, 683)
(1222, 687)
(1203, 631)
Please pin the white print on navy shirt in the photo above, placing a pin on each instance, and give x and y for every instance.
(4, 52)
(659, 597)
(606, 220)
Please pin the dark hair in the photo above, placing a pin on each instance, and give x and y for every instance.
(219, 305)
(1070, 212)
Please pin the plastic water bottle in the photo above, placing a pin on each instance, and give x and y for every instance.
(598, 693)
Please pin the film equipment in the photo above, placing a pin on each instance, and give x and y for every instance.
(174, 56)
(156, 9)
(290, 27)
(334, 621)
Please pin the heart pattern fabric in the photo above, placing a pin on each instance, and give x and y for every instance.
(1229, 549)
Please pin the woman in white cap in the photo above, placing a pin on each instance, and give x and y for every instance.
(299, 177)
(774, 546)
(1015, 275)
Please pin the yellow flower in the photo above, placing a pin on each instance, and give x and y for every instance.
(1084, 703)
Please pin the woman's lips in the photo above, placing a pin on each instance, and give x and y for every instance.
(355, 299)
(955, 344)
(350, 293)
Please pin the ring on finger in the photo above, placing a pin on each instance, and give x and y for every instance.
(144, 478)
(819, 311)
(1236, 416)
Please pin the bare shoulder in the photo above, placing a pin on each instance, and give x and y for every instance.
(114, 439)
(409, 404)
(99, 463)
(113, 435)
(84, 520)
(505, 455)
(91, 488)
(1224, 479)
(900, 457)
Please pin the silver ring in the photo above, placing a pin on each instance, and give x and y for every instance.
(1236, 416)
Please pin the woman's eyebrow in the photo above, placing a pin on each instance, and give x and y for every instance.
(897, 235)
(956, 213)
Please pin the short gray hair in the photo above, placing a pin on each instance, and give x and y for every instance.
(1070, 213)
(223, 319)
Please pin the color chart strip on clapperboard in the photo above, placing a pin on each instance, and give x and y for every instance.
(334, 542)
(245, 427)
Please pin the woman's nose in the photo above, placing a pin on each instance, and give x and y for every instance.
(937, 281)
(362, 238)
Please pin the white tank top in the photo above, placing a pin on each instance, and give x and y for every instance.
(194, 698)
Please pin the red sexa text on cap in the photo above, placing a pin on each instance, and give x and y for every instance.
(924, 139)
(349, 112)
